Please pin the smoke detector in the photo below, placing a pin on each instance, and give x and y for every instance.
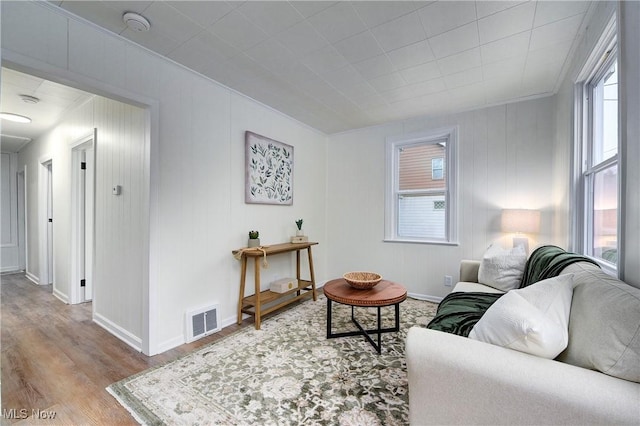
(29, 99)
(136, 22)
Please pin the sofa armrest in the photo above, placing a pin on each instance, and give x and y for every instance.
(469, 270)
(456, 380)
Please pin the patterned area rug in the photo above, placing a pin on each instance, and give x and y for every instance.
(288, 373)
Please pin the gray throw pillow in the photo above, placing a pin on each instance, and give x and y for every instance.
(604, 326)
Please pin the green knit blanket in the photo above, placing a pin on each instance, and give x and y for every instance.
(459, 312)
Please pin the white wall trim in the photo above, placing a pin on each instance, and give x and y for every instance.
(43, 181)
(34, 279)
(426, 297)
(23, 240)
(392, 144)
(170, 344)
(134, 341)
(180, 340)
(76, 147)
(61, 296)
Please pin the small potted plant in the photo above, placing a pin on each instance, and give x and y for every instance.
(254, 240)
(299, 232)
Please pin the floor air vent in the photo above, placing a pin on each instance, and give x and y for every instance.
(202, 322)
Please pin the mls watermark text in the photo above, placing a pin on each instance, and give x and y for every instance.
(23, 413)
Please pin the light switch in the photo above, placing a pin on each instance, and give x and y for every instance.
(116, 189)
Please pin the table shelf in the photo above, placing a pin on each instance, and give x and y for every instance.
(262, 302)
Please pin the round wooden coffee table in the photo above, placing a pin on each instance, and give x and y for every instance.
(386, 293)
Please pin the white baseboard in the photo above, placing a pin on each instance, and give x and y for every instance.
(434, 299)
(134, 341)
(34, 279)
(170, 344)
(9, 269)
(180, 340)
(63, 297)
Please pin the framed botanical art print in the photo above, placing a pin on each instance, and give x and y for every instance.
(268, 171)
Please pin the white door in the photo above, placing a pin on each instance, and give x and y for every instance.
(86, 252)
(49, 224)
(22, 240)
(82, 213)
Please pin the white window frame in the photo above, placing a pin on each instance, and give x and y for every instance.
(393, 146)
(602, 57)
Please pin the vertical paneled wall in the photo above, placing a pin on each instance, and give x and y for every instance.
(629, 34)
(196, 214)
(505, 160)
(629, 66)
(9, 257)
(118, 219)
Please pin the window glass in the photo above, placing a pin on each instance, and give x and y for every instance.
(418, 217)
(605, 215)
(437, 168)
(599, 231)
(416, 166)
(420, 202)
(605, 116)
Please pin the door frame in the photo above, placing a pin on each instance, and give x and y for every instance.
(45, 184)
(149, 311)
(21, 183)
(82, 197)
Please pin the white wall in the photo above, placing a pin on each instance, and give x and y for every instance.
(563, 145)
(629, 109)
(629, 36)
(505, 161)
(118, 266)
(195, 166)
(9, 247)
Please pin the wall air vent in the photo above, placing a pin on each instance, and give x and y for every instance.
(202, 322)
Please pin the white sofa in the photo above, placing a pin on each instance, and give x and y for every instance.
(457, 380)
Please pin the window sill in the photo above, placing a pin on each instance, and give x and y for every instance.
(414, 241)
(606, 267)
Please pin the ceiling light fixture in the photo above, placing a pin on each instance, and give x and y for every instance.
(136, 22)
(29, 99)
(14, 117)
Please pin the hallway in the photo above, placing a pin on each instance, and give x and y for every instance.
(56, 359)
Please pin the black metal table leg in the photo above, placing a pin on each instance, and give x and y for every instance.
(361, 330)
(328, 318)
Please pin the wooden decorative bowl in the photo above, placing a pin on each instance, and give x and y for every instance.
(362, 280)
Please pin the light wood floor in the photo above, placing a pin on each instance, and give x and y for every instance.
(54, 358)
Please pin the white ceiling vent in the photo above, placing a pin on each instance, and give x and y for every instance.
(136, 22)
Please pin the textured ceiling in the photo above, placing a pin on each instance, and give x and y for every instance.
(342, 65)
(55, 101)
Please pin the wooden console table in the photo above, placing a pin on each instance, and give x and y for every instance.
(256, 304)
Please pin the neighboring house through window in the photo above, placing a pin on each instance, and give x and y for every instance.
(420, 205)
(597, 229)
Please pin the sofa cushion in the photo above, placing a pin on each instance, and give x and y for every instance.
(533, 320)
(604, 326)
(502, 268)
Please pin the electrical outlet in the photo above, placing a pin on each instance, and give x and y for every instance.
(448, 282)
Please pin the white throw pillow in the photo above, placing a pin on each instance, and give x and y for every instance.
(502, 268)
(533, 320)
